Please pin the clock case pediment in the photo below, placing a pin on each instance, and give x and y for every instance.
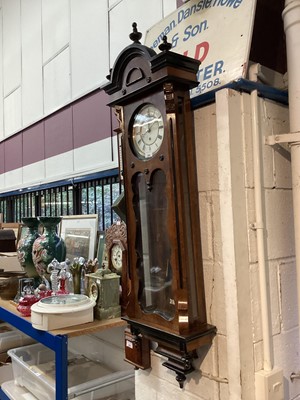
(139, 67)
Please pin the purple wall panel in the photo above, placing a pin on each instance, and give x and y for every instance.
(34, 144)
(91, 119)
(84, 122)
(2, 158)
(13, 153)
(58, 133)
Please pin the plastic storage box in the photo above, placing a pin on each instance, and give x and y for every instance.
(96, 370)
(10, 338)
(15, 392)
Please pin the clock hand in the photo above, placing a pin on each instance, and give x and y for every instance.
(151, 124)
(148, 130)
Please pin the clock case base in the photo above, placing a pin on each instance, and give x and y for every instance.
(107, 313)
(180, 350)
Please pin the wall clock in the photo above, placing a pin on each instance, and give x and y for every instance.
(116, 245)
(166, 302)
(116, 249)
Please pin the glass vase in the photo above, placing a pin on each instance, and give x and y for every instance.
(24, 246)
(48, 246)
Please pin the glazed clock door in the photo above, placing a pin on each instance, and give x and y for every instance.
(154, 269)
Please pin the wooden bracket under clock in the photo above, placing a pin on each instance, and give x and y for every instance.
(180, 350)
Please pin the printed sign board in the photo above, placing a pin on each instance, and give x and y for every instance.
(216, 32)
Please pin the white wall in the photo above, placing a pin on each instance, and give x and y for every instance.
(32, 72)
(11, 59)
(55, 51)
(226, 371)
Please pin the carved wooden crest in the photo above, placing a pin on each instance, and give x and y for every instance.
(116, 232)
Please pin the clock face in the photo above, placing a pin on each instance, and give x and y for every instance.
(94, 291)
(116, 257)
(147, 131)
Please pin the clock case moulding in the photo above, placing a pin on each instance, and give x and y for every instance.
(140, 76)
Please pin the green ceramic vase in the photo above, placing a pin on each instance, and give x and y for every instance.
(24, 246)
(48, 246)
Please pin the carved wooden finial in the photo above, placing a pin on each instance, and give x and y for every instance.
(135, 36)
(165, 46)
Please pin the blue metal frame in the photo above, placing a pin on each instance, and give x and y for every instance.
(57, 343)
(65, 182)
(3, 395)
(243, 85)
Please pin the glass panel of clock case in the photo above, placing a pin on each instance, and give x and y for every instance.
(153, 246)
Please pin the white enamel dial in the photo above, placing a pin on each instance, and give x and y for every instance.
(147, 131)
(94, 291)
(116, 257)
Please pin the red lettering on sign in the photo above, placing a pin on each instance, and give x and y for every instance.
(201, 47)
(200, 52)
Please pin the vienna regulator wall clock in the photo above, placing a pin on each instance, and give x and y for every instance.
(166, 303)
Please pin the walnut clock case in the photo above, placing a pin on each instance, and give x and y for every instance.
(166, 303)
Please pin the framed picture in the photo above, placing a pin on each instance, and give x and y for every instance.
(101, 248)
(79, 233)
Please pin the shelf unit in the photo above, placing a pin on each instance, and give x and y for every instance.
(56, 340)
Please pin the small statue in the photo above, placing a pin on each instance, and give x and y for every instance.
(53, 270)
(62, 278)
(89, 267)
(69, 282)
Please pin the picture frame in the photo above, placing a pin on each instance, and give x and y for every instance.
(79, 233)
(101, 247)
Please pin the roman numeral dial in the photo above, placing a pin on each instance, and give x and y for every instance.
(147, 131)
